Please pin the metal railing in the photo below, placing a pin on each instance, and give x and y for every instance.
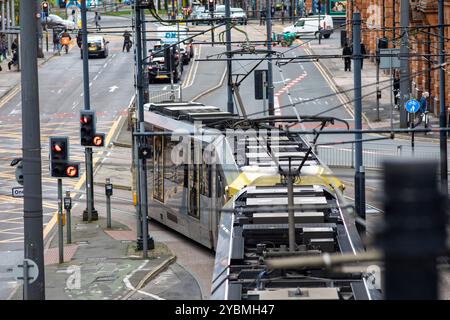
(165, 95)
(372, 158)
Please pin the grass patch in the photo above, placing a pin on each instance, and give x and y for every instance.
(117, 13)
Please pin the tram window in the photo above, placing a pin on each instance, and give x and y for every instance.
(158, 168)
(205, 181)
(173, 173)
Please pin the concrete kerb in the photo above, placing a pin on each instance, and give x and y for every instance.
(151, 275)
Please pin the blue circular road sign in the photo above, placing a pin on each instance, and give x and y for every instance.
(412, 106)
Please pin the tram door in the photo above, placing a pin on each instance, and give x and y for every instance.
(194, 182)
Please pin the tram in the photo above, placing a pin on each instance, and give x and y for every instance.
(221, 180)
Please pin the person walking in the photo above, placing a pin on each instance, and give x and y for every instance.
(262, 17)
(3, 47)
(15, 50)
(363, 54)
(79, 39)
(97, 19)
(423, 111)
(126, 41)
(56, 41)
(347, 56)
(396, 88)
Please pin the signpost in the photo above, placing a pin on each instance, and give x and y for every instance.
(412, 106)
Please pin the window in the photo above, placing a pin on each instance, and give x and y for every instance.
(300, 23)
(158, 167)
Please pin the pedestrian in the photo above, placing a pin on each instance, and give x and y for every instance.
(15, 50)
(262, 17)
(56, 41)
(272, 11)
(79, 39)
(363, 54)
(396, 88)
(97, 19)
(422, 113)
(3, 47)
(347, 56)
(283, 10)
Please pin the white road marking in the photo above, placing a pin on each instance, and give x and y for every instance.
(105, 65)
(59, 91)
(128, 284)
(113, 88)
(96, 77)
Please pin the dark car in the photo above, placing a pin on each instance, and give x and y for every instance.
(157, 69)
(97, 47)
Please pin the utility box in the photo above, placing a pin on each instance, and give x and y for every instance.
(261, 85)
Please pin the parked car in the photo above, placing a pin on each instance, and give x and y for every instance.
(97, 47)
(157, 69)
(310, 26)
(238, 15)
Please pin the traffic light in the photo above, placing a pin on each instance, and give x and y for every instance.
(169, 58)
(211, 5)
(88, 135)
(87, 127)
(145, 149)
(60, 167)
(45, 9)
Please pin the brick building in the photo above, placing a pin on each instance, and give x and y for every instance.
(381, 18)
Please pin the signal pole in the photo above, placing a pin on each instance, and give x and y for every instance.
(32, 168)
(269, 61)
(405, 88)
(230, 106)
(360, 201)
(147, 242)
(90, 213)
(442, 112)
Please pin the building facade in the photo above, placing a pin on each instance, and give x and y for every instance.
(381, 19)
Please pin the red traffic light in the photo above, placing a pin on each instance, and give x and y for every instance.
(98, 141)
(84, 119)
(72, 171)
(57, 147)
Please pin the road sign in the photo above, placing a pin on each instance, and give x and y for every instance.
(389, 59)
(33, 271)
(17, 192)
(412, 106)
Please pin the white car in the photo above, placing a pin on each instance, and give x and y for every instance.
(310, 26)
(54, 21)
(238, 15)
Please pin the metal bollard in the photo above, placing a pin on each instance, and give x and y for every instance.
(108, 192)
(68, 207)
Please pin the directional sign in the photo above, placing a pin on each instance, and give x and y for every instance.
(17, 192)
(412, 106)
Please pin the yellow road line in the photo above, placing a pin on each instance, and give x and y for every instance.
(12, 240)
(9, 96)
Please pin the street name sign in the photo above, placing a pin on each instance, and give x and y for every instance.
(17, 192)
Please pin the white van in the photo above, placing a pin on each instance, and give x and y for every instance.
(310, 26)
